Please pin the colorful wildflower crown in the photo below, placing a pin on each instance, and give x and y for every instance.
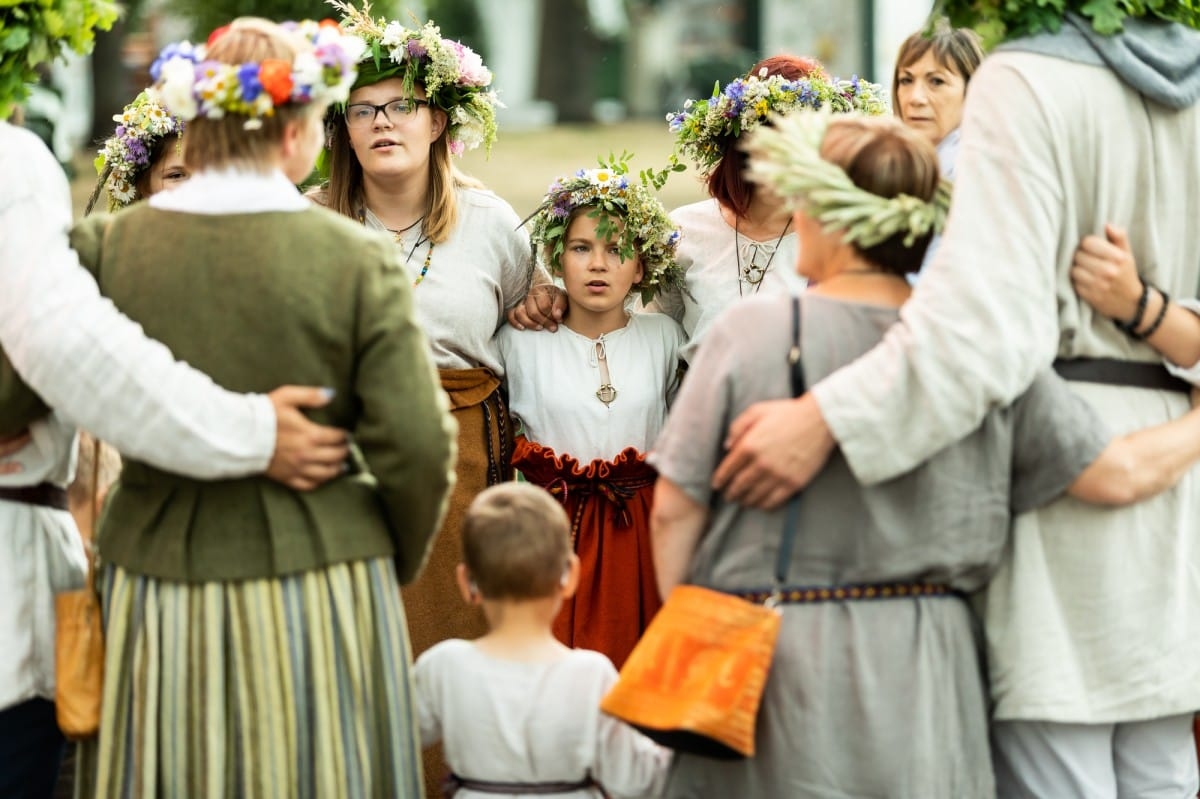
(452, 74)
(1000, 20)
(704, 128)
(786, 157)
(33, 32)
(126, 154)
(625, 211)
(190, 86)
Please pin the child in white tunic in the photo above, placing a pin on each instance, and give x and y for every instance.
(592, 397)
(516, 711)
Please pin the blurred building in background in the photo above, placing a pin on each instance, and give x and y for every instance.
(568, 61)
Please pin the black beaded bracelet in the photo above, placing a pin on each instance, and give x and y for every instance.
(1158, 320)
(1133, 324)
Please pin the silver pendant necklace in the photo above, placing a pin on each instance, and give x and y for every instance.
(752, 273)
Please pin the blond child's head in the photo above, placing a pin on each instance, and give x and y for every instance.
(516, 542)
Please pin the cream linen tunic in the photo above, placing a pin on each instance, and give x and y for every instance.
(41, 554)
(1095, 615)
(510, 721)
(709, 250)
(553, 378)
(92, 363)
(474, 277)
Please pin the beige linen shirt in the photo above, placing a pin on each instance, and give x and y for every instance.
(1094, 618)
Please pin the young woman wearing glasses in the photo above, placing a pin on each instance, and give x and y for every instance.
(423, 100)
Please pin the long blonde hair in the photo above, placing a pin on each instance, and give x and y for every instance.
(343, 192)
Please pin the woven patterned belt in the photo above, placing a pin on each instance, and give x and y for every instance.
(794, 595)
(46, 495)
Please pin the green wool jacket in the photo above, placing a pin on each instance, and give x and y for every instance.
(257, 301)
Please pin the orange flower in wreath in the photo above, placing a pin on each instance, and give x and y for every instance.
(275, 76)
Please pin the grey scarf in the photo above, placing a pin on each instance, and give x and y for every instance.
(1159, 60)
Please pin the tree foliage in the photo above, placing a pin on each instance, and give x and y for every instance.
(206, 15)
(1001, 20)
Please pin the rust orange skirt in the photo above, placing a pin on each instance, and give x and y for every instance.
(608, 503)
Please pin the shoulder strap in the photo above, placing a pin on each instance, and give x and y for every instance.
(796, 374)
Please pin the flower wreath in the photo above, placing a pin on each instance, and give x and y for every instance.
(190, 86)
(704, 128)
(126, 154)
(33, 32)
(625, 211)
(786, 157)
(452, 74)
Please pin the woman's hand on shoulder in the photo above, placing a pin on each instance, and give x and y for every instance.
(543, 308)
(1104, 274)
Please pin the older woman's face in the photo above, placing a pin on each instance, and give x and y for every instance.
(930, 97)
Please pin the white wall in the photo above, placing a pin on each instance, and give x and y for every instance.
(895, 21)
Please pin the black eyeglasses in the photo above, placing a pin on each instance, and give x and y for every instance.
(363, 114)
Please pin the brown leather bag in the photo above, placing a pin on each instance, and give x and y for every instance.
(79, 645)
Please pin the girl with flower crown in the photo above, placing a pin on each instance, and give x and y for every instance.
(740, 242)
(142, 157)
(255, 637)
(592, 397)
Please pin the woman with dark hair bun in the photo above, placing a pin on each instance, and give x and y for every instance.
(741, 239)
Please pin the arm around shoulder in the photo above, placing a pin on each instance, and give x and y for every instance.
(98, 368)
(1141, 464)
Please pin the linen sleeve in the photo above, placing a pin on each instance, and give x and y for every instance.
(429, 718)
(1056, 435)
(91, 363)
(983, 319)
(405, 430)
(1189, 373)
(692, 441)
(517, 269)
(628, 764)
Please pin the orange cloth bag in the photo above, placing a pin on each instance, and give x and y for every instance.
(695, 680)
(78, 660)
(79, 644)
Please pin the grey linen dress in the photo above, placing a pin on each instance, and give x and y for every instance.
(883, 698)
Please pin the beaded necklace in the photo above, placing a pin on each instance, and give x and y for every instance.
(752, 273)
(398, 236)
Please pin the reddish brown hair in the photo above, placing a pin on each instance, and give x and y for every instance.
(727, 183)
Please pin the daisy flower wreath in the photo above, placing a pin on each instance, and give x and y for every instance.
(453, 75)
(786, 157)
(704, 128)
(126, 154)
(627, 212)
(189, 85)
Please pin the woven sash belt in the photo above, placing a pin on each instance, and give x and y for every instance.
(454, 782)
(843, 593)
(1113, 372)
(46, 495)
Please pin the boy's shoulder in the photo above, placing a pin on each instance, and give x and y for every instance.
(450, 649)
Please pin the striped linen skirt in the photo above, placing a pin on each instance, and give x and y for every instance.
(290, 687)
